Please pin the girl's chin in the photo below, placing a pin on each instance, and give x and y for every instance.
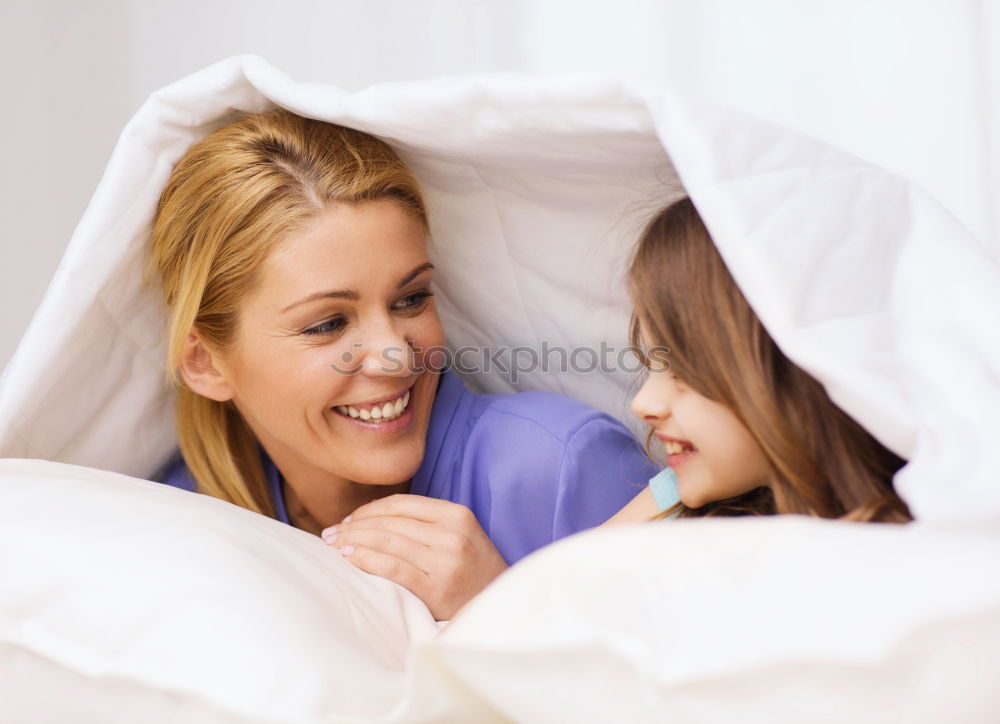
(691, 497)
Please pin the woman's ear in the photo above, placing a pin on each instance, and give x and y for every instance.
(200, 369)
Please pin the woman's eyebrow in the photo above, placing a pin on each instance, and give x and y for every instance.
(348, 294)
(417, 271)
(353, 296)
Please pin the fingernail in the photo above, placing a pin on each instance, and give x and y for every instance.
(346, 520)
(329, 535)
(347, 550)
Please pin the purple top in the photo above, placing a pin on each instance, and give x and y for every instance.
(533, 467)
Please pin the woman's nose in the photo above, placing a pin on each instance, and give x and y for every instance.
(389, 352)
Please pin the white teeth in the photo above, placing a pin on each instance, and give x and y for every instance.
(385, 412)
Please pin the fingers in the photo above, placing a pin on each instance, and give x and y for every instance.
(426, 545)
(383, 540)
(434, 548)
(416, 529)
(386, 565)
(417, 507)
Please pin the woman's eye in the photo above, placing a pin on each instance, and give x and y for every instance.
(330, 326)
(414, 301)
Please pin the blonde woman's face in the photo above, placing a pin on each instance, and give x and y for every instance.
(712, 453)
(327, 365)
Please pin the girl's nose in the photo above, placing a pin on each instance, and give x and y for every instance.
(648, 405)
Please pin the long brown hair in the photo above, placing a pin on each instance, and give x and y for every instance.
(823, 463)
(229, 200)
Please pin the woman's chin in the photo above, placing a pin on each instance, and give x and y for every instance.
(387, 472)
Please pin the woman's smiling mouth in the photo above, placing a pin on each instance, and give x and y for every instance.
(389, 415)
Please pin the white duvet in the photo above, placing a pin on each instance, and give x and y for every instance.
(537, 187)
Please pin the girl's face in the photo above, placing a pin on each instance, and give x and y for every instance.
(324, 369)
(712, 453)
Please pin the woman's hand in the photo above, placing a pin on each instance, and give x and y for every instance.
(434, 548)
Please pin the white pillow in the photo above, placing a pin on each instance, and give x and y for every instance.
(127, 600)
(139, 602)
(744, 620)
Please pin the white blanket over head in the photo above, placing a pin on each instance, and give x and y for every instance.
(537, 188)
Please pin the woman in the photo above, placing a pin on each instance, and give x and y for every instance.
(292, 255)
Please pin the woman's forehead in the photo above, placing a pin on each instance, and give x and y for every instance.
(361, 247)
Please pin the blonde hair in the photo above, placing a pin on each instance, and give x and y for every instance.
(229, 200)
(823, 463)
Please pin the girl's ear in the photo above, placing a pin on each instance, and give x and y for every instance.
(201, 371)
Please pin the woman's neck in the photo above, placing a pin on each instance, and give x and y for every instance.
(315, 498)
(315, 515)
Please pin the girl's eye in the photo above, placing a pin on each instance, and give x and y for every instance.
(679, 384)
(415, 301)
(331, 326)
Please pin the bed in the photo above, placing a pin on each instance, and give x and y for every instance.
(139, 602)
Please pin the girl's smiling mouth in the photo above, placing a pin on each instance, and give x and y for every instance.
(678, 451)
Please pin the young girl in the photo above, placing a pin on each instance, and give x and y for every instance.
(746, 431)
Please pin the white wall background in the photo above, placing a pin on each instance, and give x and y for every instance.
(913, 85)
